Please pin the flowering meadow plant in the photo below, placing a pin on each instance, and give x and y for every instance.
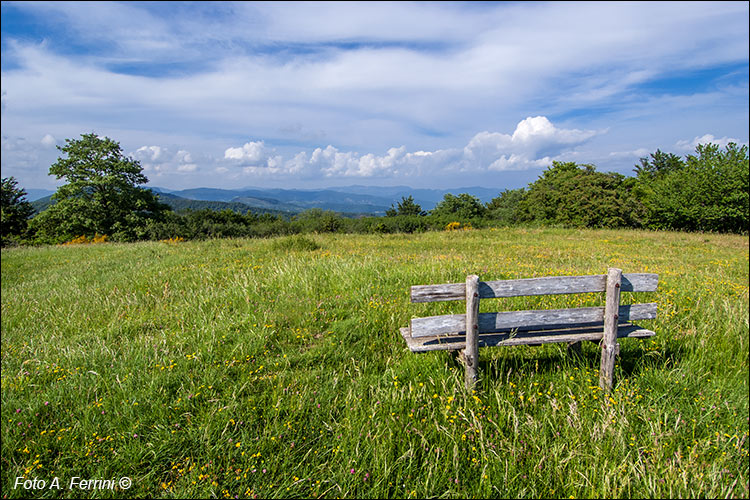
(247, 368)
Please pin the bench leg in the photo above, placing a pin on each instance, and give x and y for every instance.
(471, 353)
(610, 348)
(459, 357)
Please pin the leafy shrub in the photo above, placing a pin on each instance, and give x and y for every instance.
(504, 208)
(573, 195)
(174, 240)
(456, 226)
(317, 220)
(85, 240)
(296, 243)
(462, 207)
(706, 192)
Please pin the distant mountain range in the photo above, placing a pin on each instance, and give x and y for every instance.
(351, 200)
(35, 194)
(347, 199)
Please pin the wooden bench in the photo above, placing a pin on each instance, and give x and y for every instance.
(467, 332)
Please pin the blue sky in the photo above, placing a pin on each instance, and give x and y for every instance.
(315, 94)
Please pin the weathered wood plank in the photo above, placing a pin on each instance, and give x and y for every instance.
(525, 320)
(552, 285)
(471, 326)
(578, 334)
(611, 320)
(438, 293)
(639, 282)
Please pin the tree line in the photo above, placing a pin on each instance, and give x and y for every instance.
(102, 196)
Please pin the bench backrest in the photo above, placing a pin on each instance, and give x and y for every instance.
(525, 320)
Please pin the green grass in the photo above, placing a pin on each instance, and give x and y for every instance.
(273, 368)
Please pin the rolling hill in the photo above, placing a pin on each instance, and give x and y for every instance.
(349, 200)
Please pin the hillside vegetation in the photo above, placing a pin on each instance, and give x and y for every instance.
(242, 368)
(707, 191)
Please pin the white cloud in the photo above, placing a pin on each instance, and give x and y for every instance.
(184, 156)
(690, 145)
(160, 161)
(332, 162)
(637, 153)
(530, 145)
(365, 77)
(250, 152)
(538, 132)
(149, 153)
(48, 141)
(535, 143)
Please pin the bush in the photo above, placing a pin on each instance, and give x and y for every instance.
(706, 192)
(463, 207)
(573, 195)
(504, 208)
(296, 243)
(317, 220)
(85, 240)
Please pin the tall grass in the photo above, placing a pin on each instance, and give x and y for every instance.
(272, 368)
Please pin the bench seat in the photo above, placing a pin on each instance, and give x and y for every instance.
(521, 337)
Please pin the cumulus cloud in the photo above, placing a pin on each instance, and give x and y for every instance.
(49, 141)
(428, 75)
(160, 160)
(332, 162)
(149, 154)
(185, 161)
(539, 131)
(690, 145)
(250, 152)
(535, 143)
(184, 156)
(256, 158)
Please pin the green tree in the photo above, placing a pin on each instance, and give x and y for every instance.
(504, 208)
(101, 196)
(16, 210)
(577, 195)
(722, 200)
(406, 206)
(317, 220)
(706, 192)
(463, 207)
(658, 165)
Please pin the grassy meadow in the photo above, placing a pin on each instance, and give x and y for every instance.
(274, 368)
